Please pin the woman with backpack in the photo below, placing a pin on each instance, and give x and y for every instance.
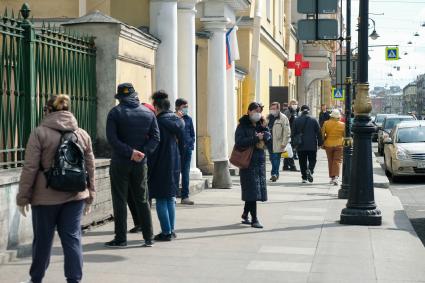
(252, 132)
(58, 208)
(164, 165)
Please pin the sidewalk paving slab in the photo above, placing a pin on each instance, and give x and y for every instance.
(302, 241)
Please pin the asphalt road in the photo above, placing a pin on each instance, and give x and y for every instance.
(411, 192)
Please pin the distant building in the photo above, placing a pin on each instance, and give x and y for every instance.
(420, 100)
(410, 98)
(393, 103)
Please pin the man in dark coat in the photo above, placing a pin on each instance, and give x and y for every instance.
(311, 141)
(182, 108)
(292, 113)
(132, 131)
(324, 115)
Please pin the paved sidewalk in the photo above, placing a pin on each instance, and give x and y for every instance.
(301, 242)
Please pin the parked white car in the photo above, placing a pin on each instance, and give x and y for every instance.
(404, 150)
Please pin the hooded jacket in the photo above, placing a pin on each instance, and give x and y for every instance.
(130, 126)
(164, 163)
(39, 155)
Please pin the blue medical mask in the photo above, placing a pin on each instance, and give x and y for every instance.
(185, 111)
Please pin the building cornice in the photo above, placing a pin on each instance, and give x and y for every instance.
(276, 46)
(137, 36)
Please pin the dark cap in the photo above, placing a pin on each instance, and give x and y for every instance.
(305, 108)
(125, 89)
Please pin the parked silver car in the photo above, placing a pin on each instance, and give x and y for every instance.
(387, 126)
(379, 118)
(404, 150)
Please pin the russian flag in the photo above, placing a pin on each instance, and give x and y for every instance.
(232, 48)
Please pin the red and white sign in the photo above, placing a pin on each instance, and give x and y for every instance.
(298, 64)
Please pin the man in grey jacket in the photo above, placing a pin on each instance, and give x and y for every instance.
(279, 127)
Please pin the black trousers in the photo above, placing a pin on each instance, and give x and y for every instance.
(308, 161)
(66, 219)
(250, 207)
(289, 163)
(132, 178)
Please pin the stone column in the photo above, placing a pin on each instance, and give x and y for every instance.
(186, 66)
(217, 101)
(163, 25)
(231, 107)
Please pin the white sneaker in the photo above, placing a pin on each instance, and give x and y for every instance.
(331, 181)
(336, 181)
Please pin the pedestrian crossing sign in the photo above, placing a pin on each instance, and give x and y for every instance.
(391, 53)
(338, 93)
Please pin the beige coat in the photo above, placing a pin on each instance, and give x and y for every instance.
(281, 132)
(41, 149)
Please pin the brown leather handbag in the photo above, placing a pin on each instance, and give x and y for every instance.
(241, 157)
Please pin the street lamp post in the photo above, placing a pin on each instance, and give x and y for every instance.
(348, 141)
(361, 208)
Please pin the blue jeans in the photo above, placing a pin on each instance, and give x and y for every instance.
(275, 160)
(186, 157)
(166, 210)
(66, 218)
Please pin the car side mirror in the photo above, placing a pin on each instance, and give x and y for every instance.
(388, 141)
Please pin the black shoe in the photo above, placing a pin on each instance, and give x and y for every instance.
(286, 169)
(274, 178)
(256, 224)
(116, 244)
(163, 238)
(245, 220)
(293, 169)
(173, 235)
(309, 176)
(148, 244)
(135, 229)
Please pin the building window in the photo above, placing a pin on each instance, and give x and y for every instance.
(268, 12)
(270, 77)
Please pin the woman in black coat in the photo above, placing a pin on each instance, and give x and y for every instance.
(164, 165)
(252, 133)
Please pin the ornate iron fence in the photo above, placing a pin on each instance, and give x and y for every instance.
(34, 64)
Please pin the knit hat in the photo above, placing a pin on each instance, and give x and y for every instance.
(305, 108)
(336, 114)
(125, 89)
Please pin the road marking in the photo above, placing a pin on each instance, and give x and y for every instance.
(287, 250)
(279, 266)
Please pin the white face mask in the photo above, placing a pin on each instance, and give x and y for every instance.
(255, 117)
(295, 106)
(274, 112)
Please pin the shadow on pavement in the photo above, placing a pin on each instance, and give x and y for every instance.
(235, 226)
(99, 258)
(259, 231)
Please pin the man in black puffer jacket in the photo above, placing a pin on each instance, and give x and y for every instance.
(309, 128)
(133, 133)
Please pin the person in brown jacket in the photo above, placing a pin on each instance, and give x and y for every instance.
(53, 209)
(333, 135)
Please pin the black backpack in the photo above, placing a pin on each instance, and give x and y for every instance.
(68, 172)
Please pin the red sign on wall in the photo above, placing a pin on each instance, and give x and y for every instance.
(298, 64)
